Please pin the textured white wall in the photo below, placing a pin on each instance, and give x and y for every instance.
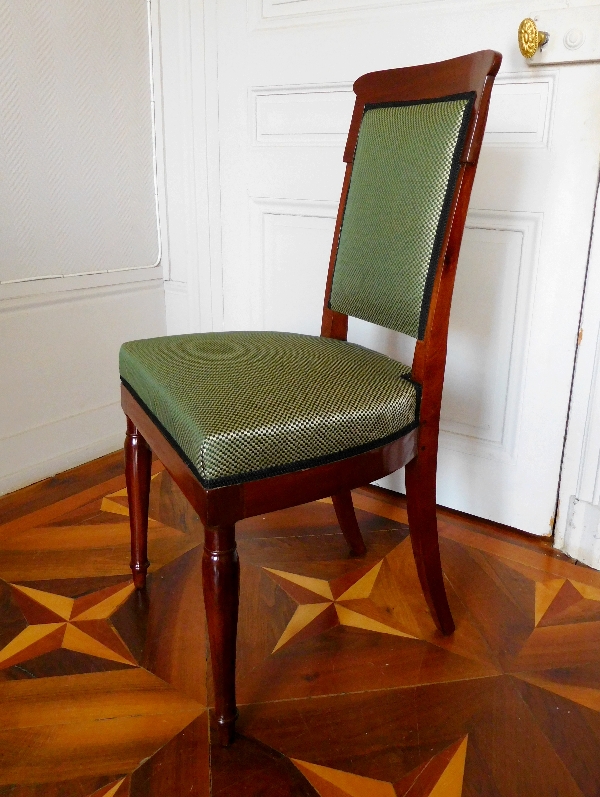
(77, 193)
(79, 244)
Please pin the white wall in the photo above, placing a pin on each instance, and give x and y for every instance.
(79, 250)
(59, 404)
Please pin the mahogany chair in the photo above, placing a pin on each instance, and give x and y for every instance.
(251, 422)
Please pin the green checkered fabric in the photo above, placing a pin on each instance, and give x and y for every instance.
(244, 405)
(403, 178)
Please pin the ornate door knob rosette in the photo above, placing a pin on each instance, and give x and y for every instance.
(530, 38)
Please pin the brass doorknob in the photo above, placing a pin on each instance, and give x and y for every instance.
(530, 38)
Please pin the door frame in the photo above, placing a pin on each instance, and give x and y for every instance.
(184, 56)
(580, 472)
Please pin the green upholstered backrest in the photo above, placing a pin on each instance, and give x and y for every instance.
(405, 169)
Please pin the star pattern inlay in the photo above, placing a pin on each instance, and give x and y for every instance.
(347, 601)
(440, 776)
(78, 624)
(110, 790)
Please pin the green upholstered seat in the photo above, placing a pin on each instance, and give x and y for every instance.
(404, 174)
(240, 406)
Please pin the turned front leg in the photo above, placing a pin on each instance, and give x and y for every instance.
(221, 583)
(138, 467)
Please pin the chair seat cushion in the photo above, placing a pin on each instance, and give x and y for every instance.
(240, 406)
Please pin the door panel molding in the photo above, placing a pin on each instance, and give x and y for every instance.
(521, 110)
(489, 333)
(301, 115)
(276, 225)
(318, 114)
(292, 240)
(273, 13)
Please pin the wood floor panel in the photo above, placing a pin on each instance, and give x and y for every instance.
(500, 614)
(64, 485)
(572, 729)
(309, 520)
(345, 685)
(382, 736)
(349, 734)
(34, 551)
(250, 768)
(49, 513)
(79, 787)
(292, 643)
(169, 506)
(165, 626)
(86, 725)
(181, 767)
(117, 788)
(537, 558)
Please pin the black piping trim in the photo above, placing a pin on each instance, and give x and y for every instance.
(418, 390)
(446, 205)
(279, 470)
(465, 95)
(163, 431)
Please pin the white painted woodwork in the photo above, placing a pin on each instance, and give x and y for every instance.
(303, 115)
(574, 35)
(79, 253)
(579, 497)
(581, 538)
(280, 104)
(188, 163)
(519, 115)
(288, 235)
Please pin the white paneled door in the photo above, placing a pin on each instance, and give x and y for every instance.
(285, 74)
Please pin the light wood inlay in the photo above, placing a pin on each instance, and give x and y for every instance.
(316, 585)
(343, 783)
(57, 603)
(545, 592)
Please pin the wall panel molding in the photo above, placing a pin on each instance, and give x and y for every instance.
(44, 290)
(185, 63)
(77, 293)
(59, 361)
(177, 307)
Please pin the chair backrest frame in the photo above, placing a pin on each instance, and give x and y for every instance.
(469, 73)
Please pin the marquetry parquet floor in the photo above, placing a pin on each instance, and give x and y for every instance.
(344, 685)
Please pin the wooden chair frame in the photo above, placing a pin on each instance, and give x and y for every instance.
(219, 509)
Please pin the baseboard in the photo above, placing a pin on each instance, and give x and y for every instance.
(582, 534)
(41, 452)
